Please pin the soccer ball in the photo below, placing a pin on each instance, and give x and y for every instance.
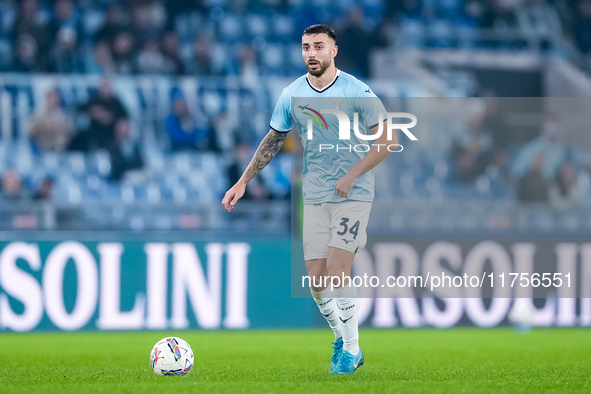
(522, 314)
(171, 356)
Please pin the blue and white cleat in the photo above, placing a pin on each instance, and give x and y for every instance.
(348, 363)
(337, 350)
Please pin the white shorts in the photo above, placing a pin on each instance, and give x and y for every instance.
(340, 225)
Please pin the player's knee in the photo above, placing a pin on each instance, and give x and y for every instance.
(338, 277)
(316, 272)
(337, 270)
(316, 267)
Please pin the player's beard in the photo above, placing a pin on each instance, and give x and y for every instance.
(322, 67)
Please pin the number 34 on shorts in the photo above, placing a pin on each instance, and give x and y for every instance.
(340, 225)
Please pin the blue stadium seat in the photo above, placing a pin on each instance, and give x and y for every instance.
(212, 102)
(74, 193)
(92, 189)
(441, 33)
(99, 163)
(183, 29)
(112, 193)
(413, 32)
(76, 163)
(221, 55)
(256, 25)
(434, 188)
(22, 158)
(295, 57)
(127, 193)
(52, 161)
(198, 184)
(320, 3)
(64, 190)
(179, 194)
(231, 28)
(483, 186)
(5, 52)
(153, 193)
(284, 29)
(8, 14)
(92, 21)
(273, 58)
(154, 162)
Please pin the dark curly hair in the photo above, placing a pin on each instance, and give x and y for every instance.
(318, 29)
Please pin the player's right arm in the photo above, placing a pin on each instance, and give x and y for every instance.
(267, 149)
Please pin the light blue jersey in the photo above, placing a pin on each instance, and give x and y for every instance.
(323, 166)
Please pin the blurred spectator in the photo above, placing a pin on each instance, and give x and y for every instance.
(201, 63)
(27, 58)
(175, 8)
(549, 146)
(64, 17)
(28, 25)
(537, 164)
(147, 21)
(123, 151)
(264, 5)
(224, 130)
(240, 6)
(249, 71)
(12, 186)
(64, 57)
(582, 26)
(386, 33)
(123, 52)
(51, 129)
(565, 191)
(406, 9)
(540, 21)
(171, 50)
(112, 25)
(354, 45)
(435, 25)
(472, 149)
(531, 186)
(499, 15)
(469, 17)
(495, 125)
(101, 61)
(185, 130)
(474, 10)
(103, 111)
(256, 190)
(151, 61)
(44, 189)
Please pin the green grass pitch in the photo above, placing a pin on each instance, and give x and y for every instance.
(401, 360)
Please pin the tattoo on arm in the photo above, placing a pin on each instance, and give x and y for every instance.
(267, 149)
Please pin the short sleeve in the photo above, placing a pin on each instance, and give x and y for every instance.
(281, 118)
(370, 107)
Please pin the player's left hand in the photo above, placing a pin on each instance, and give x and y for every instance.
(233, 195)
(344, 185)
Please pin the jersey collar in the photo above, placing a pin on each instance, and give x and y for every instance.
(327, 86)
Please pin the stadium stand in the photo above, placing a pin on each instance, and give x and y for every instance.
(212, 69)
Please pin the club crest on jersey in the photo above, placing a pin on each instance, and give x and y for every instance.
(337, 103)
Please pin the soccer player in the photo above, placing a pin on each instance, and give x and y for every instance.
(338, 186)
